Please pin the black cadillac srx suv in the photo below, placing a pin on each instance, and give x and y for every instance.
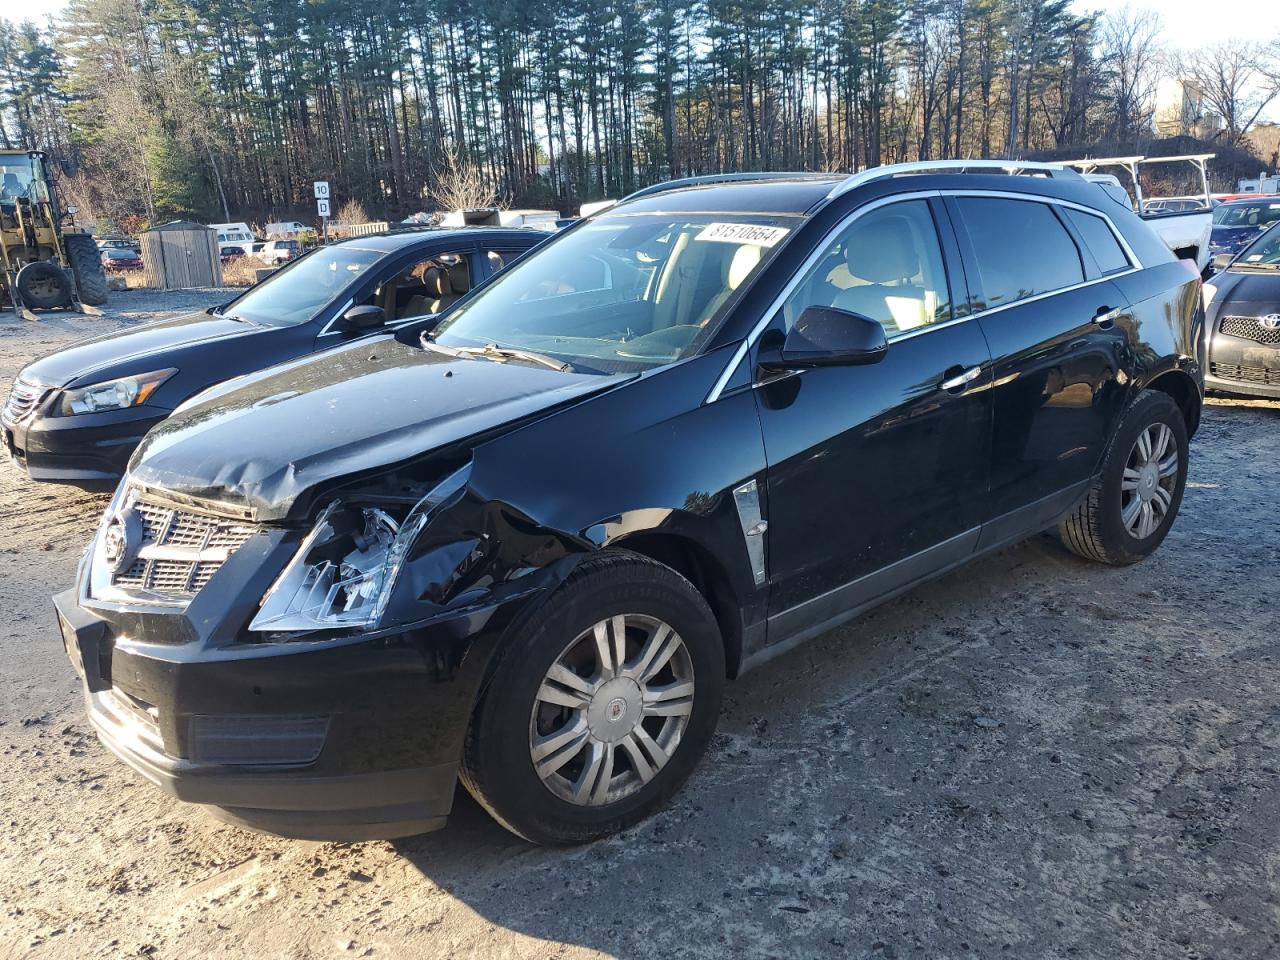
(527, 546)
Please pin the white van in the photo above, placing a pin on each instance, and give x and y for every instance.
(233, 235)
(285, 230)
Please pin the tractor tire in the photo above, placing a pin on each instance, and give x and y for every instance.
(43, 286)
(86, 264)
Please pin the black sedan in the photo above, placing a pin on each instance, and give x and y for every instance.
(527, 547)
(75, 416)
(1242, 326)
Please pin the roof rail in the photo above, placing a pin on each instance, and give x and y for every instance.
(950, 166)
(712, 178)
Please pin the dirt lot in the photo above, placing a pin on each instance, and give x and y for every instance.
(1033, 757)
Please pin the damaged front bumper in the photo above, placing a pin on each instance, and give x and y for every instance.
(352, 738)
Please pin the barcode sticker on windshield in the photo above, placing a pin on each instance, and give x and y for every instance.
(752, 233)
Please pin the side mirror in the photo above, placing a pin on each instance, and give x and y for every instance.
(366, 317)
(828, 337)
(1221, 261)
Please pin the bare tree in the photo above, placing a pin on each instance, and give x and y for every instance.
(352, 212)
(1230, 77)
(1131, 52)
(461, 185)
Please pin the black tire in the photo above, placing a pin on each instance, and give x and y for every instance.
(86, 264)
(1096, 529)
(43, 286)
(497, 766)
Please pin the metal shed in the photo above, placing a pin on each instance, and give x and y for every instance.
(181, 254)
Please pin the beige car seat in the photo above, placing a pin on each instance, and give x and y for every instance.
(435, 296)
(884, 255)
(736, 270)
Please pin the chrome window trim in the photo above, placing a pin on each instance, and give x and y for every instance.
(799, 275)
(328, 327)
(1134, 262)
(1050, 293)
(722, 381)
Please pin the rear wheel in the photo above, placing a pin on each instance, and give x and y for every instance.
(86, 264)
(43, 285)
(601, 705)
(1133, 501)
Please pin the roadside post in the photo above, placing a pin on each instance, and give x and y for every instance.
(322, 207)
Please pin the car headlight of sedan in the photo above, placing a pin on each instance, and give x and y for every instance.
(344, 571)
(131, 391)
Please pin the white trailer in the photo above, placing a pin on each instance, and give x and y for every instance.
(1262, 183)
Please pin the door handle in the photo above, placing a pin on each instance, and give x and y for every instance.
(960, 379)
(1105, 317)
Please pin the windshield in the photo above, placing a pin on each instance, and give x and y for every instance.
(1246, 214)
(296, 293)
(1263, 252)
(16, 176)
(621, 292)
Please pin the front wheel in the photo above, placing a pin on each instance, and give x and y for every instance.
(1133, 501)
(600, 706)
(86, 264)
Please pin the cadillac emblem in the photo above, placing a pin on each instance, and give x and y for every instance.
(121, 540)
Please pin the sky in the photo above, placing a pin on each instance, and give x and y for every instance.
(1187, 22)
(1191, 22)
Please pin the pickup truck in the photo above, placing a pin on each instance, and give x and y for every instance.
(1184, 231)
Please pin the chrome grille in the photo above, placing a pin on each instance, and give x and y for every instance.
(180, 551)
(1246, 374)
(1248, 328)
(22, 401)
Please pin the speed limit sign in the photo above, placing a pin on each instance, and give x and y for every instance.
(322, 189)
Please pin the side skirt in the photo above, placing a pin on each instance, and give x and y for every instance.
(792, 627)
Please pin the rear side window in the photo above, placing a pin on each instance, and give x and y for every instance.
(1102, 243)
(1021, 247)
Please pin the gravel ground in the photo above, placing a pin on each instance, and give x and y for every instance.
(1032, 757)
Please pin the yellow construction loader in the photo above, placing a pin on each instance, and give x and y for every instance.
(44, 265)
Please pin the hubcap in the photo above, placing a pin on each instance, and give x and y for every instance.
(611, 710)
(1147, 484)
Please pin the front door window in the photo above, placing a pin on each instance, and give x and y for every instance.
(886, 266)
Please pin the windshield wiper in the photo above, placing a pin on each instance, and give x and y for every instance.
(494, 352)
(491, 351)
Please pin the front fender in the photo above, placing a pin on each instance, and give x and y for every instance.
(626, 468)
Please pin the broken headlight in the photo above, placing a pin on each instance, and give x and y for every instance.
(343, 573)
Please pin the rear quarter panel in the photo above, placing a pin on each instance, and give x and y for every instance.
(1168, 320)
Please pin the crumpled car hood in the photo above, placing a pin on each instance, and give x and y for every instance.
(262, 442)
